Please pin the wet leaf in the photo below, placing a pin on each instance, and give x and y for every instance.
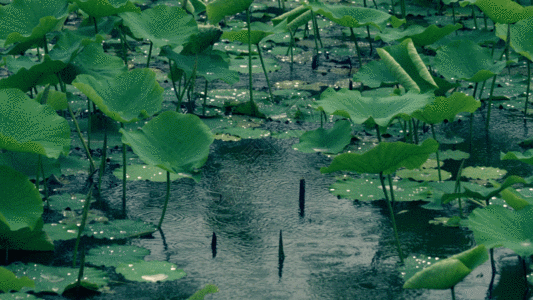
(451, 154)
(218, 9)
(374, 74)
(429, 174)
(497, 226)
(147, 172)
(208, 289)
(483, 172)
(445, 108)
(10, 282)
(114, 255)
(61, 202)
(526, 157)
(104, 8)
(504, 11)
(113, 230)
(369, 189)
(350, 16)
(326, 140)
(150, 271)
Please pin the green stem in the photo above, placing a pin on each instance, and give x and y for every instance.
(149, 54)
(402, 6)
(123, 175)
(78, 130)
(167, 197)
(437, 153)
(123, 43)
(103, 162)
(393, 220)
(490, 102)
(354, 39)
(81, 227)
(95, 26)
(369, 38)
(528, 85)
(250, 83)
(453, 292)
(265, 71)
(474, 16)
(205, 98)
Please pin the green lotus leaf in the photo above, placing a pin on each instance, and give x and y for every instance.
(522, 38)
(104, 8)
(240, 64)
(150, 271)
(451, 154)
(10, 282)
(62, 201)
(258, 31)
(162, 25)
(445, 108)
(385, 157)
(206, 37)
(371, 110)
(114, 229)
(351, 16)
(466, 60)
(406, 65)
(147, 172)
(374, 74)
(30, 74)
(395, 34)
(290, 15)
(526, 157)
(513, 198)
(504, 11)
(369, 189)
(208, 289)
(244, 133)
(114, 255)
(26, 239)
(210, 66)
(218, 9)
(129, 97)
(28, 22)
(483, 172)
(448, 272)
(326, 140)
(429, 174)
(482, 193)
(93, 61)
(20, 203)
(31, 127)
(56, 279)
(174, 142)
(433, 33)
(497, 226)
(27, 163)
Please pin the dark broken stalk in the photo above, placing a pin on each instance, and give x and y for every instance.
(149, 54)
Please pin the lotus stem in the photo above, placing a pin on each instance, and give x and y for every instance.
(91, 161)
(45, 45)
(89, 124)
(391, 189)
(205, 98)
(458, 187)
(167, 197)
(214, 245)
(95, 26)
(81, 227)
(302, 197)
(149, 55)
(490, 101)
(528, 86)
(437, 153)
(474, 16)
(402, 6)
(393, 220)
(102, 163)
(124, 175)
(123, 43)
(369, 38)
(250, 83)
(354, 39)
(453, 292)
(266, 73)
(453, 15)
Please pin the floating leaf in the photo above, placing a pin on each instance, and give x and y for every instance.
(104, 8)
(10, 282)
(129, 97)
(385, 157)
(162, 25)
(326, 140)
(172, 141)
(115, 229)
(350, 16)
(147, 172)
(482, 193)
(451, 154)
(61, 202)
(429, 174)
(445, 108)
(150, 271)
(497, 226)
(114, 255)
(55, 279)
(208, 289)
(369, 189)
(485, 173)
(374, 74)
(245, 133)
(448, 272)
(526, 157)
(371, 110)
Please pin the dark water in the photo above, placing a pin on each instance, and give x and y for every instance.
(338, 249)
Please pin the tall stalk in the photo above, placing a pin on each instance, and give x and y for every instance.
(528, 85)
(490, 102)
(167, 197)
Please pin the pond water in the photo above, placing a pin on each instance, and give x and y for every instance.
(336, 249)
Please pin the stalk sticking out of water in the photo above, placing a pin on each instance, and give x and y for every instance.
(167, 197)
(281, 255)
(302, 198)
(214, 245)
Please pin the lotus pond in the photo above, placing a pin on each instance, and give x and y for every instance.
(265, 149)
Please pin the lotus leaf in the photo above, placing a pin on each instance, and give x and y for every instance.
(39, 73)
(350, 16)
(114, 255)
(218, 9)
(150, 271)
(56, 279)
(526, 157)
(245, 133)
(258, 32)
(10, 282)
(522, 38)
(482, 193)
(504, 11)
(93, 61)
(371, 110)
(451, 154)
(129, 97)
(147, 172)
(497, 226)
(445, 108)
(208, 289)
(406, 65)
(30, 127)
(174, 142)
(448, 272)
(374, 74)
(61, 202)
(385, 157)
(421, 36)
(115, 229)
(162, 25)
(483, 173)
(104, 8)
(27, 163)
(28, 22)
(369, 189)
(27, 239)
(326, 140)
(425, 174)
(466, 60)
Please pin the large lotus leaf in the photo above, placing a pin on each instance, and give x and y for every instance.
(484, 193)
(448, 272)
(20, 203)
(206, 37)
(28, 126)
(27, 239)
(54, 279)
(174, 142)
(372, 110)
(326, 140)
(27, 163)
(374, 74)
(445, 108)
(385, 157)
(218, 9)
(504, 11)
(128, 98)
(526, 157)
(210, 66)
(258, 31)
(433, 33)
(497, 226)
(522, 38)
(147, 172)
(162, 25)
(370, 189)
(466, 60)
(38, 73)
(406, 65)
(114, 255)
(93, 61)
(10, 282)
(483, 173)
(351, 16)
(28, 21)
(150, 271)
(395, 34)
(104, 8)
(113, 230)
